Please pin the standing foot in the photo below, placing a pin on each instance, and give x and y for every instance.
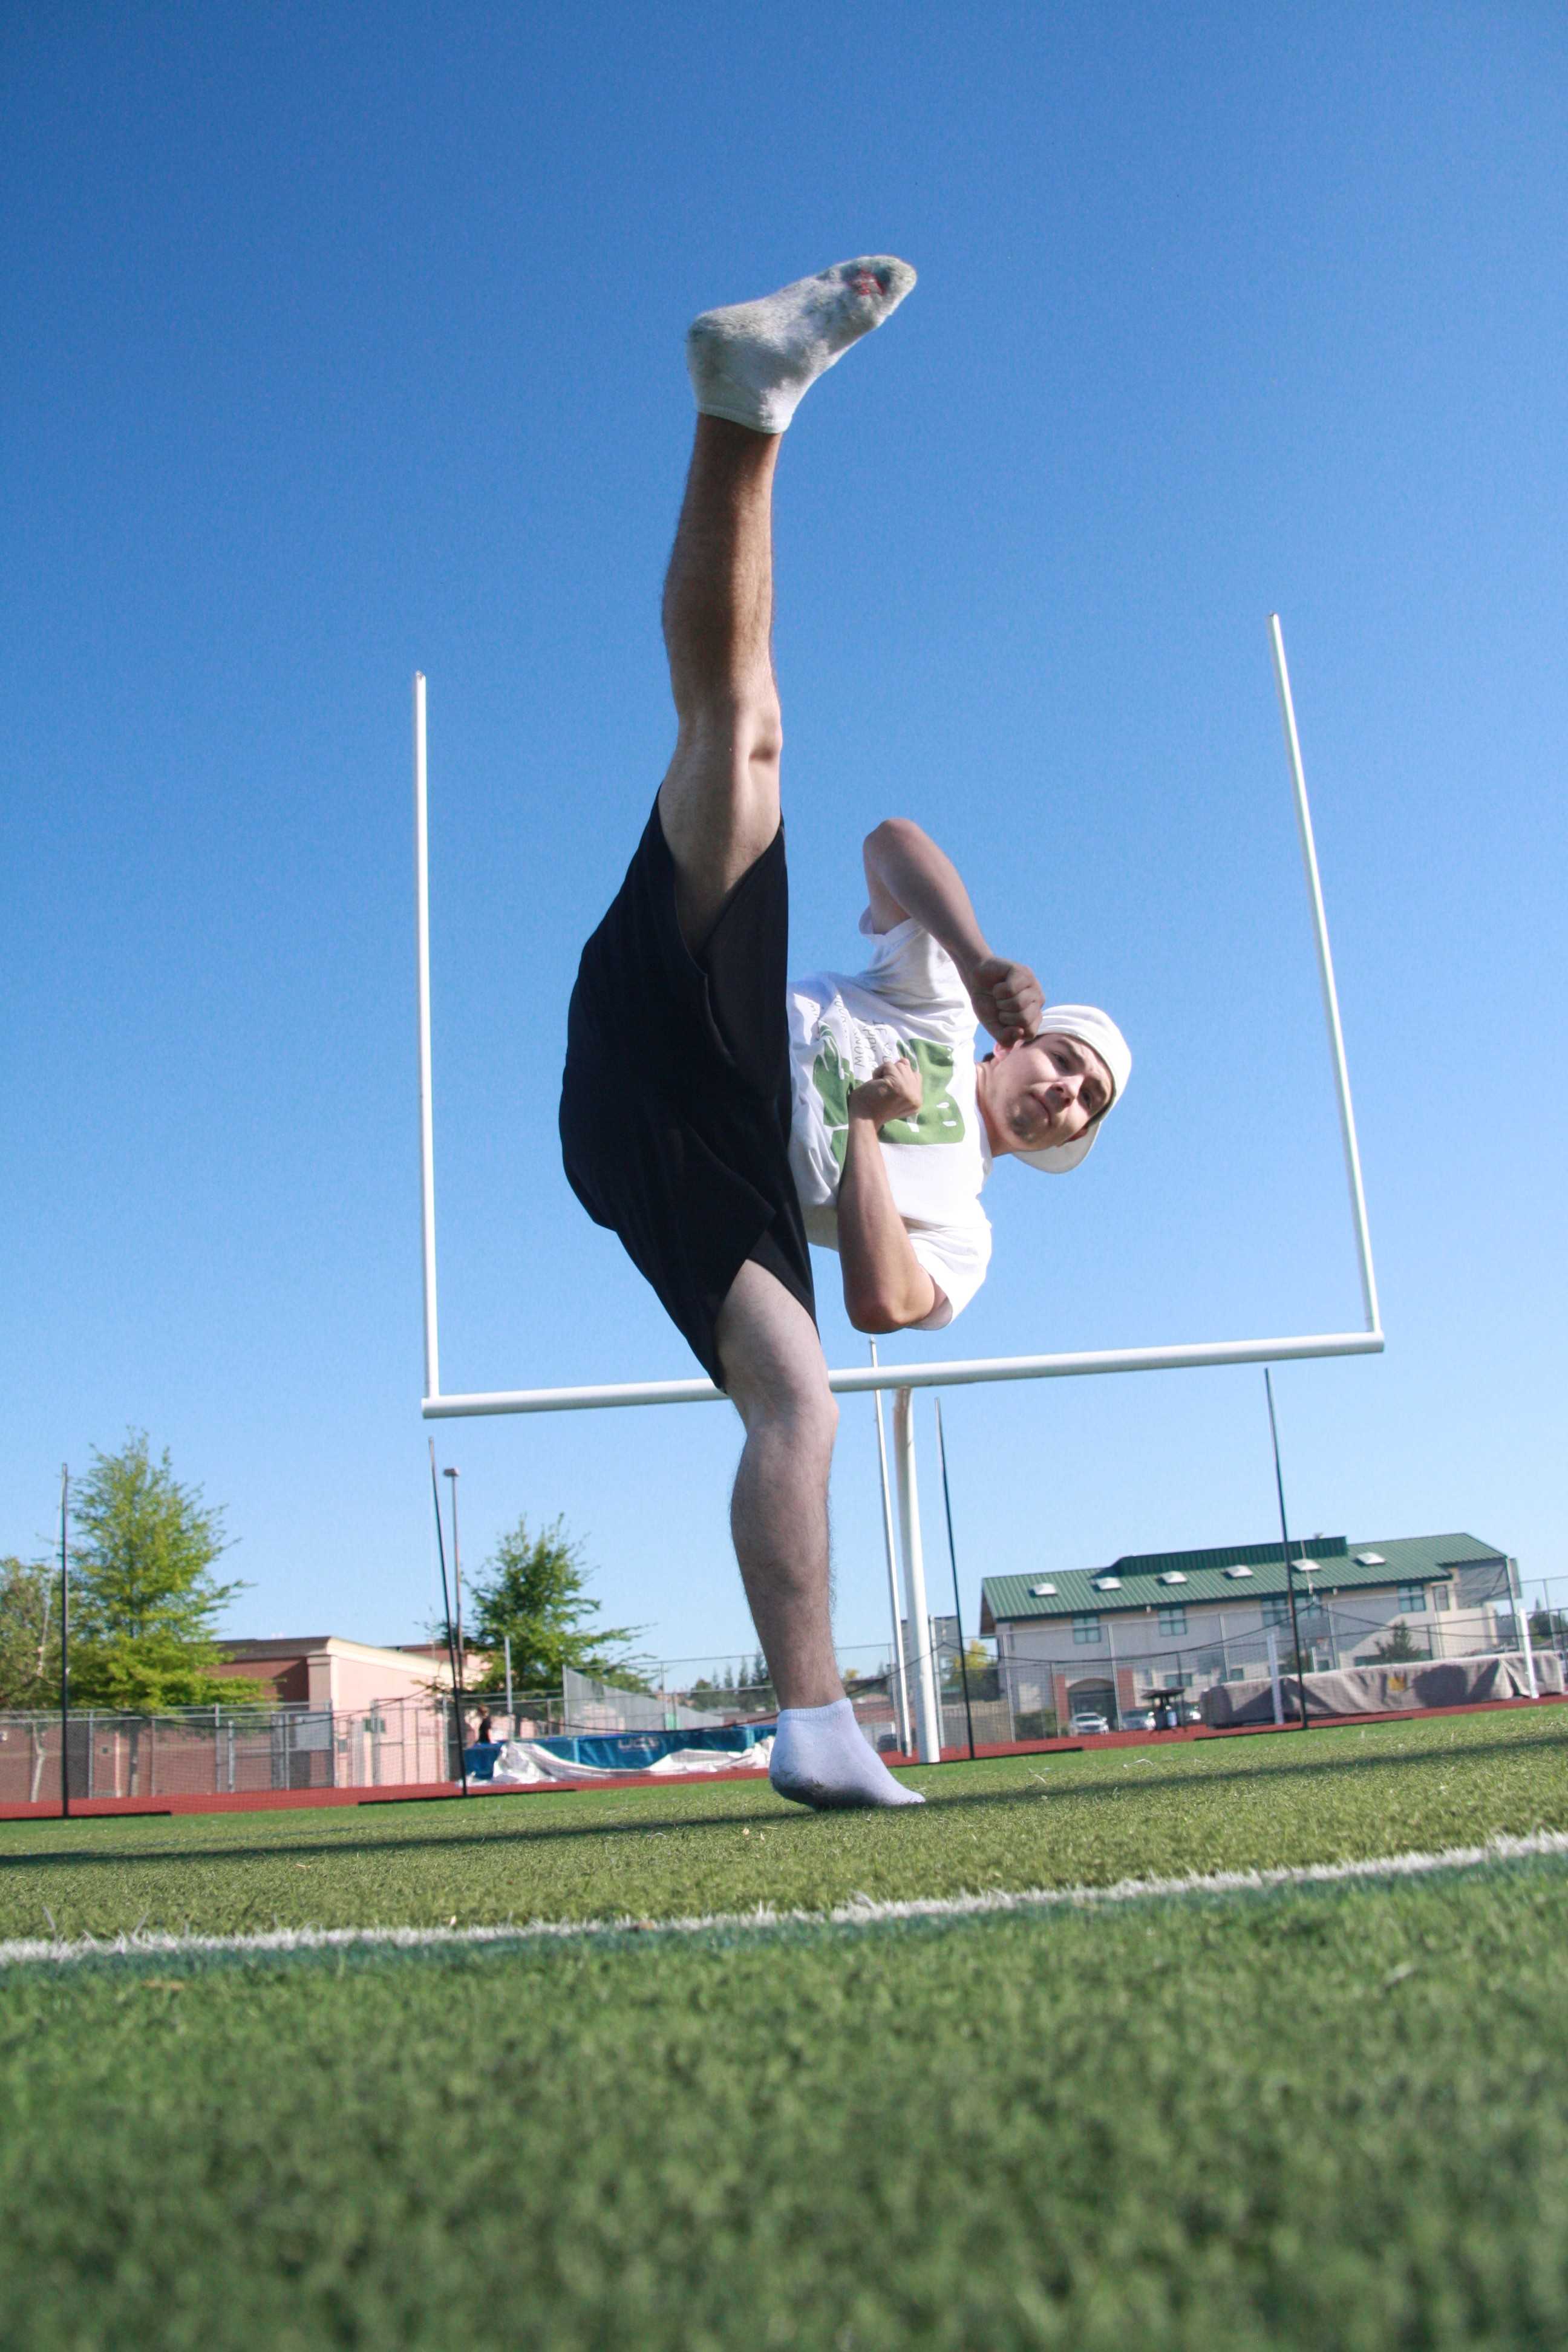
(753, 362)
(822, 1759)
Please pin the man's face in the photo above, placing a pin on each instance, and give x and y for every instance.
(1046, 1092)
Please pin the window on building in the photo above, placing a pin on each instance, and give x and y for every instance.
(1442, 1597)
(1173, 1619)
(1412, 1600)
(1275, 1609)
(1086, 1629)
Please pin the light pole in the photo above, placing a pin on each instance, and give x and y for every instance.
(65, 1643)
(457, 1573)
(453, 1663)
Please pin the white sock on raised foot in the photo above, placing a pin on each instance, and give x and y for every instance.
(822, 1757)
(753, 362)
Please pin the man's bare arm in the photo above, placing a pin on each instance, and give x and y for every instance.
(907, 874)
(886, 1288)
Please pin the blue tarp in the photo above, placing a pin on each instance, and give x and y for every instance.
(626, 1751)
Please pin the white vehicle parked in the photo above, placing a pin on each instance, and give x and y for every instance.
(1086, 1726)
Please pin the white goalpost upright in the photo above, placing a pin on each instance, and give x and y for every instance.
(903, 1380)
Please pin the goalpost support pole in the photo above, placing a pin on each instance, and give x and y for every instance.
(1273, 1643)
(1521, 1619)
(928, 1721)
(952, 1560)
(899, 1692)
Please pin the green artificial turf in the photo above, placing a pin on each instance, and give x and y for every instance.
(1039, 1820)
(1324, 2117)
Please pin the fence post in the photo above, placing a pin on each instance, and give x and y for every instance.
(1274, 1677)
(1524, 1621)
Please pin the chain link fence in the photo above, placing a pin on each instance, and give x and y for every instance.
(1130, 1681)
(223, 1752)
(1126, 1678)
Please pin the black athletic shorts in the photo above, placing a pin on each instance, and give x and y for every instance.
(675, 1110)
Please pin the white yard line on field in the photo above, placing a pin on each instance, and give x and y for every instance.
(860, 1911)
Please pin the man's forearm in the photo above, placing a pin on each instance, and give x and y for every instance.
(906, 869)
(907, 874)
(886, 1288)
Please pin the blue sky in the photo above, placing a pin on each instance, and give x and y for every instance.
(349, 342)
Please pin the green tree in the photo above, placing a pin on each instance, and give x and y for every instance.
(534, 1589)
(1398, 1645)
(718, 1691)
(982, 1666)
(144, 1596)
(30, 1635)
(755, 1685)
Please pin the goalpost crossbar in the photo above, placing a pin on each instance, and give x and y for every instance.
(859, 1382)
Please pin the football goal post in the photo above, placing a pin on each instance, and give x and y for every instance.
(903, 1380)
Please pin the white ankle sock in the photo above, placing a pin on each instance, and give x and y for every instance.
(822, 1757)
(753, 362)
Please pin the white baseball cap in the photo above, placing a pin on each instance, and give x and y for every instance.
(1092, 1027)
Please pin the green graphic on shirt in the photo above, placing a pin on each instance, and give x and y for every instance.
(938, 1119)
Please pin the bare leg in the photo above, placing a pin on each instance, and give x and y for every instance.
(719, 803)
(777, 1380)
(775, 1374)
(719, 808)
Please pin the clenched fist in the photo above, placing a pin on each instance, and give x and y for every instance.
(893, 1090)
(1007, 998)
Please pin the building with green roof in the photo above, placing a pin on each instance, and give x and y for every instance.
(1097, 1643)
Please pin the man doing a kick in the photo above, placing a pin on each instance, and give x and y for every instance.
(720, 1118)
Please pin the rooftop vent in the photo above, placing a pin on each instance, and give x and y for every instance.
(1043, 1591)
(1107, 1583)
(1370, 1560)
(1238, 1571)
(1173, 1575)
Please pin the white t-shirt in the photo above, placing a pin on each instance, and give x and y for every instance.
(910, 1002)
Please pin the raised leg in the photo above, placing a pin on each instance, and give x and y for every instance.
(719, 804)
(750, 366)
